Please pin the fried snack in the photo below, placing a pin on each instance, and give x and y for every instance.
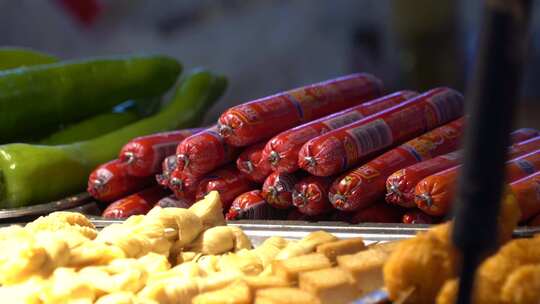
(260, 282)
(419, 265)
(20, 257)
(238, 292)
(448, 293)
(495, 270)
(290, 269)
(215, 240)
(65, 221)
(170, 291)
(209, 210)
(154, 263)
(208, 264)
(305, 245)
(184, 225)
(331, 285)
(137, 236)
(387, 247)
(241, 241)
(522, 286)
(341, 247)
(27, 292)
(118, 298)
(284, 295)
(66, 286)
(186, 256)
(366, 268)
(244, 262)
(220, 239)
(94, 253)
(269, 249)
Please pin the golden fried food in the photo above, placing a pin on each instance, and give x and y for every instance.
(290, 269)
(238, 292)
(209, 210)
(66, 221)
(341, 247)
(448, 292)
(284, 295)
(305, 245)
(522, 286)
(220, 239)
(366, 267)
(419, 265)
(330, 285)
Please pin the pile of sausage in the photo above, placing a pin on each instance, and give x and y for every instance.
(335, 150)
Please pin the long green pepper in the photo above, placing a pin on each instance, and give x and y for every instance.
(37, 99)
(32, 174)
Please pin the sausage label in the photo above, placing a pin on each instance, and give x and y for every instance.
(345, 119)
(371, 136)
(526, 166)
(447, 106)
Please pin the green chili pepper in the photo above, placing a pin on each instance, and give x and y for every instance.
(35, 100)
(91, 128)
(32, 174)
(15, 57)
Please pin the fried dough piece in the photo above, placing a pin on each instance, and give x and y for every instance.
(209, 210)
(421, 264)
(305, 245)
(340, 247)
(284, 295)
(331, 285)
(366, 268)
(238, 292)
(290, 269)
(522, 286)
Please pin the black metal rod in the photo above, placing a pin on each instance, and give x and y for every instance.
(490, 104)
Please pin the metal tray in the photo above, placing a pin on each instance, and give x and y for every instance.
(24, 213)
(260, 230)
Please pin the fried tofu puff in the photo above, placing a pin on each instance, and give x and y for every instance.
(495, 272)
(422, 265)
(418, 268)
(522, 286)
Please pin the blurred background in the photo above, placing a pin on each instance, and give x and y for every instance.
(270, 46)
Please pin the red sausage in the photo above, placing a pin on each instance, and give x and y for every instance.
(145, 154)
(527, 193)
(281, 152)
(278, 188)
(400, 185)
(172, 201)
(183, 185)
(378, 213)
(523, 134)
(310, 195)
(137, 203)
(251, 163)
(252, 206)
(345, 147)
(228, 181)
(417, 217)
(365, 185)
(203, 152)
(261, 119)
(435, 193)
(110, 182)
(167, 167)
